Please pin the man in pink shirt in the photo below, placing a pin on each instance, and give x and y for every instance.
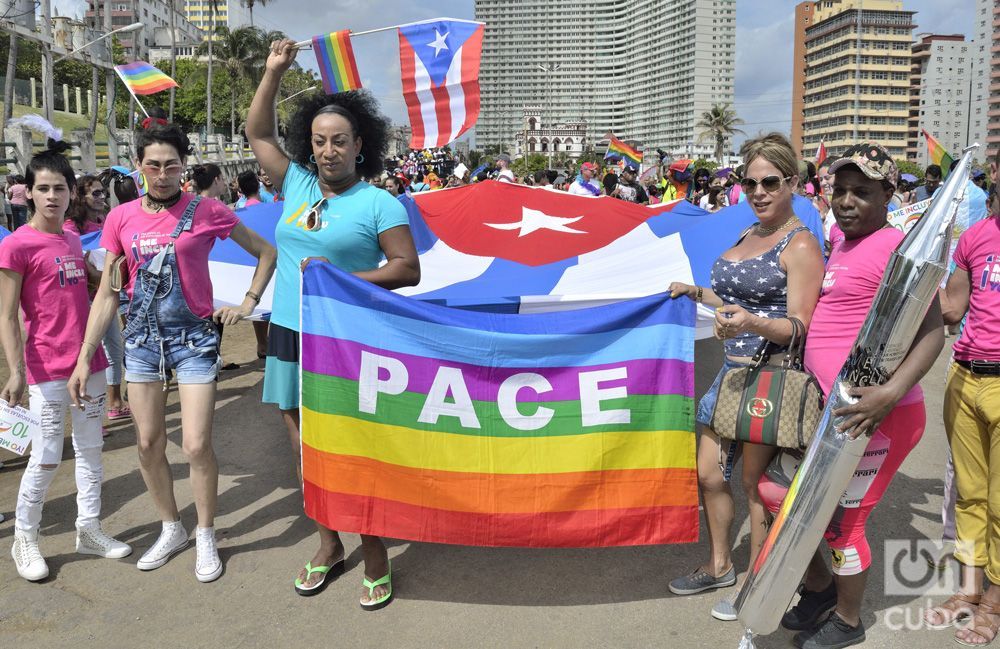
(972, 422)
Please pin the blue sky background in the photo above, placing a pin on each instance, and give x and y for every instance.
(763, 43)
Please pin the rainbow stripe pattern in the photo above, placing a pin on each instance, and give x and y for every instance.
(619, 150)
(337, 66)
(938, 154)
(428, 423)
(141, 78)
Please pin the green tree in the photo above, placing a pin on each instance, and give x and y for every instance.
(718, 124)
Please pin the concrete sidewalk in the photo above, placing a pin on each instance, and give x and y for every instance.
(446, 596)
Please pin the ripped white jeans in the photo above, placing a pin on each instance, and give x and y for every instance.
(50, 400)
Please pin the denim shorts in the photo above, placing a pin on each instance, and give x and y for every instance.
(192, 353)
(707, 404)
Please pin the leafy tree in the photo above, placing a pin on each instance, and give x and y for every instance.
(718, 123)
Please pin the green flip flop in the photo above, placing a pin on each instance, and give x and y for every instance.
(334, 571)
(381, 602)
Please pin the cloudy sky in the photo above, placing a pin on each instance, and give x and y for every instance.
(763, 43)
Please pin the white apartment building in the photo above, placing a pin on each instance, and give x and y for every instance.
(644, 69)
(940, 94)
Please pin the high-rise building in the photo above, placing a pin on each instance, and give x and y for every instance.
(228, 13)
(856, 83)
(637, 68)
(982, 44)
(155, 16)
(940, 95)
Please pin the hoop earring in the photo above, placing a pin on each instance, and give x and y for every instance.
(359, 160)
(312, 158)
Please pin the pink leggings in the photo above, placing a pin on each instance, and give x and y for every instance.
(896, 436)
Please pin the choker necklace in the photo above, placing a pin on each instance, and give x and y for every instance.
(165, 204)
(765, 231)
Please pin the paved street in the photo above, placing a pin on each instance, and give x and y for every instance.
(446, 596)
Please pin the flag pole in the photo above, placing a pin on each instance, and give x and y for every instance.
(308, 42)
(129, 88)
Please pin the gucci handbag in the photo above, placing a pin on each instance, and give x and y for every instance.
(776, 405)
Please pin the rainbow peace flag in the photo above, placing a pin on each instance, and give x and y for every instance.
(618, 150)
(429, 423)
(938, 154)
(141, 78)
(337, 66)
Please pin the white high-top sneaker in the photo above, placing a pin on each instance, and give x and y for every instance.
(173, 539)
(91, 539)
(27, 557)
(208, 567)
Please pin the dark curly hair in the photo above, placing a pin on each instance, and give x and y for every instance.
(158, 133)
(51, 159)
(361, 109)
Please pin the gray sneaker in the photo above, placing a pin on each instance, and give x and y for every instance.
(725, 608)
(699, 581)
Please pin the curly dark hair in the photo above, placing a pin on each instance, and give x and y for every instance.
(361, 109)
(157, 133)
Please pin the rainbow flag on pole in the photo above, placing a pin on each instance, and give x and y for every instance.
(564, 429)
(337, 66)
(938, 154)
(618, 150)
(141, 78)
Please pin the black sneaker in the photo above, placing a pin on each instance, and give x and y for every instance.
(833, 634)
(810, 608)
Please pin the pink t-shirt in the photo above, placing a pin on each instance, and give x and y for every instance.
(53, 300)
(69, 225)
(978, 253)
(131, 230)
(853, 275)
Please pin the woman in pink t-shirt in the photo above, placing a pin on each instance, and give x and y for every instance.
(891, 414)
(159, 246)
(42, 269)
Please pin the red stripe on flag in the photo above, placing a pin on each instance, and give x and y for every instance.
(579, 529)
(408, 70)
(757, 423)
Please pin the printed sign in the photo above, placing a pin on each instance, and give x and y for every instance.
(17, 426)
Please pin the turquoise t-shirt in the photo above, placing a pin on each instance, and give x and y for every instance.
(351, 223)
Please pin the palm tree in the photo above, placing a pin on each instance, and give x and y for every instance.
(241, 52)
(718, 123)
(249, 5)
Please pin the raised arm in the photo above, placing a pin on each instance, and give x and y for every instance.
(261, 120)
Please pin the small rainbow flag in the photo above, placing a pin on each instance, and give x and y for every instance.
(444, 425)
(938, 154)
(141, 78)
(618, 150)
(337, 66)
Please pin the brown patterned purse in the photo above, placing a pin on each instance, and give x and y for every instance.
(776, 405)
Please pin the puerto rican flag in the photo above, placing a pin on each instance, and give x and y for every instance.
(439, 61)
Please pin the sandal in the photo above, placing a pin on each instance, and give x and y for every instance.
(960, 605)
(119, 413)
(982, 626)
(381, 602)
(333, 571)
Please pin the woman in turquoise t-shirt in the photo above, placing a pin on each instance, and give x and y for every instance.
(334, 142)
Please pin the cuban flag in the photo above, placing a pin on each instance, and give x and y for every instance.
(439, 61)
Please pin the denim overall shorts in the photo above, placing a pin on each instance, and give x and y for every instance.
(161, 332)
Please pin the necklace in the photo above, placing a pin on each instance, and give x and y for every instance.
(165, 204)
(765, 231)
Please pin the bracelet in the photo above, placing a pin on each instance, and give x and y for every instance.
(253, 296)
(698, 295)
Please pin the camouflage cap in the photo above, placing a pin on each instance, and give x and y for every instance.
(872, 160)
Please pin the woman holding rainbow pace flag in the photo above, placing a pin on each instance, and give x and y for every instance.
(335, 141)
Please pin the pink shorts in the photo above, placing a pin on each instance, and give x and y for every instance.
(895, 437)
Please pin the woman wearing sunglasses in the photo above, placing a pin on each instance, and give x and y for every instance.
(333, 215)
(86, 215)
(772, 273)
(158, 250)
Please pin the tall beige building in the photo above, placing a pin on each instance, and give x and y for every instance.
(644, 69)
(856, 82)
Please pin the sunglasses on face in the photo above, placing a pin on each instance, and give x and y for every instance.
(312, 219)
(770, 184)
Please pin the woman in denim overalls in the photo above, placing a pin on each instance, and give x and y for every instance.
(165, 238)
